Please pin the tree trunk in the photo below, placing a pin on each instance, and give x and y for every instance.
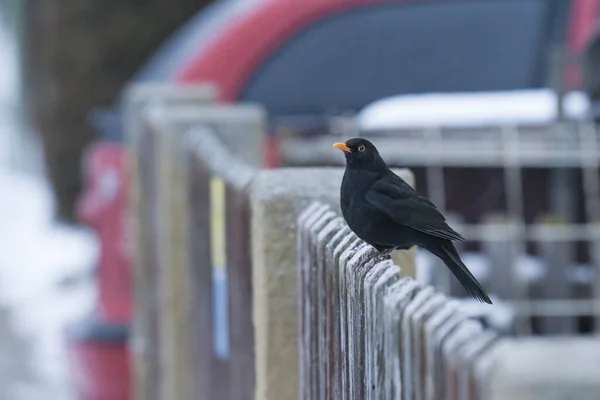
(79, 53)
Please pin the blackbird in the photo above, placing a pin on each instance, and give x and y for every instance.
(387, 213)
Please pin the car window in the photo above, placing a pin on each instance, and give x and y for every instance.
(346, 61)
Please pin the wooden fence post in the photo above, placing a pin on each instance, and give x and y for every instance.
(277, 198)
(174, 259)
(142, 145)
(144, 342)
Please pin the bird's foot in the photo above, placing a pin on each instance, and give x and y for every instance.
(385, 253)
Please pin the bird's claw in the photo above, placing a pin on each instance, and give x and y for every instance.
(386, 254)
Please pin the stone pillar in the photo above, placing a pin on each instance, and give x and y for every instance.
(278, 197)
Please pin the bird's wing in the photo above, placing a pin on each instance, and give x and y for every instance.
(396, 199)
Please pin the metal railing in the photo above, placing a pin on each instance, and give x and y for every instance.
(557, 231)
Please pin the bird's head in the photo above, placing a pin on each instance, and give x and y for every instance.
(360, 153)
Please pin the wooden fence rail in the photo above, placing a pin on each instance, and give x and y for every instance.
(365, 332)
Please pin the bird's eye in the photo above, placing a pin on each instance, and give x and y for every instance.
(361, 148)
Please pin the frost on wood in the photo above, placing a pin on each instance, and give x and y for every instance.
(344, 369)
(311, 221)
(419, 318)
(322, 280)
(395, 301)
(341, 241)
(408, 355)
(383, 275)
(452, 350)
(356, 270)
(430, 328)
(471, 351)
(367, 333)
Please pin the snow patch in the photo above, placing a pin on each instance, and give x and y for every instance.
(522, 107)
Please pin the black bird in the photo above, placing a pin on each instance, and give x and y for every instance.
(387, 213)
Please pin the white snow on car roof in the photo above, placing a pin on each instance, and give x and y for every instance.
(525, 107)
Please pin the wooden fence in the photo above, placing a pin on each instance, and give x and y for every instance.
(193, 334)
(242, 292)
(365, 332)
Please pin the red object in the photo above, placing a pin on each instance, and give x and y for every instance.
(100, 371)
(99, 359)
(584, 14)
(104, 207)
(233, 56)
(272, 154)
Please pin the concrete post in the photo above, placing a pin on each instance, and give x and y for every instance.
(278, 197)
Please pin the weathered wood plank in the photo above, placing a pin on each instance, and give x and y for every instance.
(338, 243)
(366, 332)
(305, 221)
(344, 316)
(313, 223)
(145, 339)
(381, 277)
(407, 347)
(316, 277)
(419, 318)
(472, 350)
(451, 349)
(437, 320)
(323, 238)
(395, 301)
(239, 264)
(356, 271)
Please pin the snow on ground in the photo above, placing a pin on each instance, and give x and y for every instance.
(45, 267)
(8, 88)
(36, 257)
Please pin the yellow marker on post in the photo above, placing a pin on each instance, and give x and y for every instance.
(217, 223)
(219, 272)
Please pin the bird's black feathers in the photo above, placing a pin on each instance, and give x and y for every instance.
(396, 199)
(386, 212)
(446, 251)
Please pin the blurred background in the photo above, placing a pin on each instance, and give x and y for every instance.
(489, 102)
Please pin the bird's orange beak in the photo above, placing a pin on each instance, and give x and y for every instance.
(342, 146)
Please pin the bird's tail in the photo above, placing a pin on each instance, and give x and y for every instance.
(447, 252)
